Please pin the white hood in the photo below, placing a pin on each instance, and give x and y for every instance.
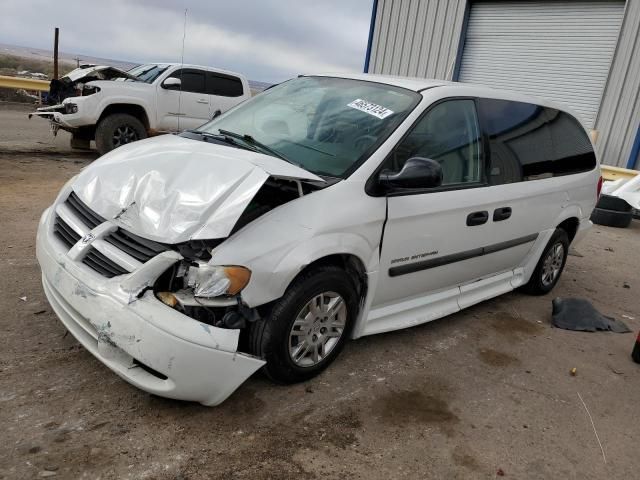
(80, 73)
(173, 189)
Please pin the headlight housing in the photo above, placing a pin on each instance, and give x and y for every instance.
(210, 281)
(70, 108)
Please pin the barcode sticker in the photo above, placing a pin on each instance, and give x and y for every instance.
(377, 111)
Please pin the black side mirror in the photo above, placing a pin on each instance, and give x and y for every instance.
(417, 172)
(216, 114)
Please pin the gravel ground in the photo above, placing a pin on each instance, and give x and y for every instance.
(481, 393)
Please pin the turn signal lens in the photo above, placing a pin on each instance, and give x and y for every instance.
(238, 278)
(600, 180)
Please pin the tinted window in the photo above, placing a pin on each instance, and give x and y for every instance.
(223, 85)
(192, 80)
(529, 142)
(448, 133)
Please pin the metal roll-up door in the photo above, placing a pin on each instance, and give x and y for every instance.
(561, 51)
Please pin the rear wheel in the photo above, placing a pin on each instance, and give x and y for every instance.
(116, 130)
(550, 266)
(307, 327)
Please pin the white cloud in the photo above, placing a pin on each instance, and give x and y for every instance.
(269, 40)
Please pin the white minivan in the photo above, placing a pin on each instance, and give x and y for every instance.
(326, 208)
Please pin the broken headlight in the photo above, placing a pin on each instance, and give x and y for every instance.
(70, 108)
(210, 281)
(89, 90)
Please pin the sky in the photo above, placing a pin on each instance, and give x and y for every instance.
(267, 40)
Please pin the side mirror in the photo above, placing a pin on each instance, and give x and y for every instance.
(417, 172)
(216, 114)
(172, 83)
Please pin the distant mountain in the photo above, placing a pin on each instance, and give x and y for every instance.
(66, 57)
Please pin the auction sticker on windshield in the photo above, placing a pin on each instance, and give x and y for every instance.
(370, 108)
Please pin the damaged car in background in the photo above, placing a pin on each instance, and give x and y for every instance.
(324, 209)
(114, 107)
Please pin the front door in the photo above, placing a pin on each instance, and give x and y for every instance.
(185, 106)
(435, 240)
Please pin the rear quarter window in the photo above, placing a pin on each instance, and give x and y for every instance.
(530, 142)
(223, 85)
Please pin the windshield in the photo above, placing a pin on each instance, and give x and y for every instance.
(147, 73)
(326, 125)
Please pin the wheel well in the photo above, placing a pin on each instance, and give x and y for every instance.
(351, 264)
(570, 225)
(131, 109)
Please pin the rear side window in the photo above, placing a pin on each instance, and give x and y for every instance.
(192, 80)
(224, 85)
(529, 142)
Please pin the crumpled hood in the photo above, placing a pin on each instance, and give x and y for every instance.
(173, 189)
(80, 73)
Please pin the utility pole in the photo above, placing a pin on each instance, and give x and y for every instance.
(77, 59)
(55, 53)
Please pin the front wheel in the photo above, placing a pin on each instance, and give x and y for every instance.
(116, 130)
(550, 265)
(308, 326)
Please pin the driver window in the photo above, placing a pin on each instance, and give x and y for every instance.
(448, 133)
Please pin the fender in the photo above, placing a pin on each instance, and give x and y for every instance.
(271, 274)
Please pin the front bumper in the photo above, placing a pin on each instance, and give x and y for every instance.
(148, 344)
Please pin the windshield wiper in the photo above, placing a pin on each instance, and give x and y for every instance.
(255, 143)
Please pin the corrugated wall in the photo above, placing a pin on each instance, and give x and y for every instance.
(420, 38)
(619, 115)
(417, 38)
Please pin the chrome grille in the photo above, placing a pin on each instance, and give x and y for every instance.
(65, 233)
(136, 247)
(84, 213)
(101, 264)
(139, 248)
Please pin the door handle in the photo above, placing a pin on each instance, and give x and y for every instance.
(500, 214)
(202, 100)
(477, 218)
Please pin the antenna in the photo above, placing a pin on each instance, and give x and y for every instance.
(184, 35)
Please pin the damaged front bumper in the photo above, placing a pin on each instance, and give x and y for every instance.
(146, 343)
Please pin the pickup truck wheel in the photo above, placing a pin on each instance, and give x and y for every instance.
(550, 265)
(116, 130)
(307, 327)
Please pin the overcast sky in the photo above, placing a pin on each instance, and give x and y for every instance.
(268, 40)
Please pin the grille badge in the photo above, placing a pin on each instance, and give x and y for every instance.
(88, 238)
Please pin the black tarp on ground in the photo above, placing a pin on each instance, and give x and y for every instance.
(578, 314)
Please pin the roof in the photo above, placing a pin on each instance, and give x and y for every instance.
(455, 88)
(411, 83)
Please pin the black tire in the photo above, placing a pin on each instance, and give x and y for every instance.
(536, 284)
(611, 218)
(269, 337)
(609, 202)
(117, 129)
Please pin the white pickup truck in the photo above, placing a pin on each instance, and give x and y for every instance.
(114, 107)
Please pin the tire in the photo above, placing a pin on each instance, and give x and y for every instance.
(611, 218)
(539, 283)
(271, 338)
(609, 202)
(118, 129)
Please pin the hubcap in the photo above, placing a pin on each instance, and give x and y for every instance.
(552, 264)
(317, 329)
(124, 134)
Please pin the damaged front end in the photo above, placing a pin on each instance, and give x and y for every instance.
(126, 252)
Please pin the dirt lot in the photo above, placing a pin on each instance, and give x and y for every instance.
(482, 392)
